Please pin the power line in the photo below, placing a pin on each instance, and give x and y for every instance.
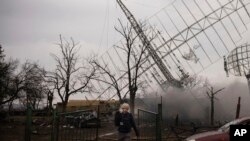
(106, 18)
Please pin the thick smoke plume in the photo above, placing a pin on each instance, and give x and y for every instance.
(194, 105)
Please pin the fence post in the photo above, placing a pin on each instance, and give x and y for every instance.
(159, 122)
(138, 123)
(160, 111)
(238, 109)
(28, 124)
(57, 122)
(98, 120)
(54, 127)
(138, 120)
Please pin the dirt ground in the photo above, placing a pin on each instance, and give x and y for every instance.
(15, 131)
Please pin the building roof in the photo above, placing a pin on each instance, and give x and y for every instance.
(88, 102)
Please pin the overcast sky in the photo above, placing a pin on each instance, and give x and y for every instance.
(29, 29)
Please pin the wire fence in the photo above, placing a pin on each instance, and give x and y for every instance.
(77, 126)
(37, 125)
(149, 124)
(80, 125)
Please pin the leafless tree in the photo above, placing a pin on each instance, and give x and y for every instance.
(113, 81)
(211, 93)
(11, 83)
(33, 91)
(69, 77)
(24, 84)
(135, 52)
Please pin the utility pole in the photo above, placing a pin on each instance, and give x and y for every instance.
(238, 108)
(145, 41)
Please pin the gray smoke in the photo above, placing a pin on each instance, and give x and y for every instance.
(194, 105)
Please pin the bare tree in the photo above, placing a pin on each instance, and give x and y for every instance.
(33, 91)
(135, 52)
(25, 84)
(11, 83)
(69, 77)
(112, 81)
(211, 95)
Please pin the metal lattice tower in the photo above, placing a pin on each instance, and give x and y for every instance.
(186, 42)
(145, 41)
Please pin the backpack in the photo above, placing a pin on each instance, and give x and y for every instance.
(125, 124)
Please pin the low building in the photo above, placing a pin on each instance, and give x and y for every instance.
(105, 107)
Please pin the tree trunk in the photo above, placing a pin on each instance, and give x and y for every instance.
(10, 107)
(33, 104)
(120, 98)
(177, 120)
(212, 110)
(37, 104)
(50, 107)
(64, 106)
(132, 103)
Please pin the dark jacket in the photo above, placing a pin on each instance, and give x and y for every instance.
(124, 126)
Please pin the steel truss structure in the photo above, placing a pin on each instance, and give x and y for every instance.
(146, 42)
(191, 36)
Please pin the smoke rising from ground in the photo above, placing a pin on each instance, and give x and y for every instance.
(194, 105)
